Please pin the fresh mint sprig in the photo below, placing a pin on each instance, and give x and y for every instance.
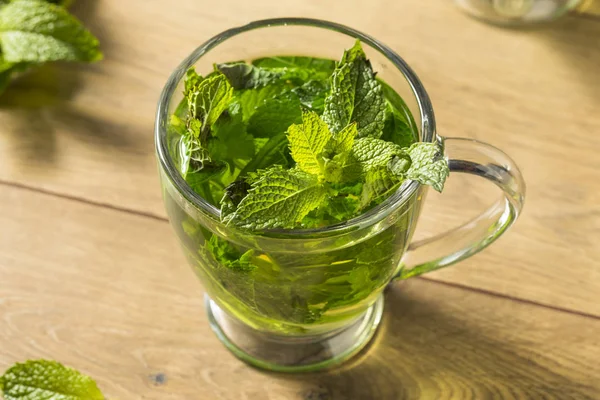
(260, 122)
(283, 198)
(340, 149)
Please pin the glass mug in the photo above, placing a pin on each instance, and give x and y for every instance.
(314, 298)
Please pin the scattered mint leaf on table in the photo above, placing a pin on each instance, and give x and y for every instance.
(43, 379)
(37, 31)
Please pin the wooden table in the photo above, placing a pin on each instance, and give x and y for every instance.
(91, 275)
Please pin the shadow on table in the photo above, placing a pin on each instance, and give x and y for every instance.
(33, 131)
(413, 358)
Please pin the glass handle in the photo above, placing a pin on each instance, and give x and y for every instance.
(485, 161)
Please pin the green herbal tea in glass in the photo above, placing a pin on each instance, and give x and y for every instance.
(294, 183)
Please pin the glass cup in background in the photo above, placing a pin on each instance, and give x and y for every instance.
(517, 12)
(315, 297)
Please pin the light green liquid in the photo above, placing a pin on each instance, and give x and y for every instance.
(296, 293)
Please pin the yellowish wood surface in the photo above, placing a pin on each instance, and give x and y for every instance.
(109, 293)
(90, 273)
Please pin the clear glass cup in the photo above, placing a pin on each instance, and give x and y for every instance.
(517, 12)
(315, 298)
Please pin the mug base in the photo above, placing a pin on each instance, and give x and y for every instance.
(293, 354)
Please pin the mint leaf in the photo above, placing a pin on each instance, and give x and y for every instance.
(356, 96)
(273, 152)
(369, 153)
(274, 116)
(333, 169)
(428, 165)
(379, 184)
(192, 80)
(398, 165)
(37, 31)
(207, 99)
(279, 199)
(355, 53)
(250, 99)
(199, 179)
(399, 127)
(396, 130)
(246, 76)
(312, 95)
(307, 142)
(235, 192)
(344, 204)
(322, 67)
(230, 143)
(194, 155)
(43, 379)
(344, 140)
(229, 256)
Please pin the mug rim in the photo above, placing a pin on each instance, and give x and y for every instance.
(374, 215)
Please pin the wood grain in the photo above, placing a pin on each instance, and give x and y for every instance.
(109, 293)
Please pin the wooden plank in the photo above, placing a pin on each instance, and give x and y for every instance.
(109, 293)
(86, 131)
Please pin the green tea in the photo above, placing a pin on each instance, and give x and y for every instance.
(295, 143)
